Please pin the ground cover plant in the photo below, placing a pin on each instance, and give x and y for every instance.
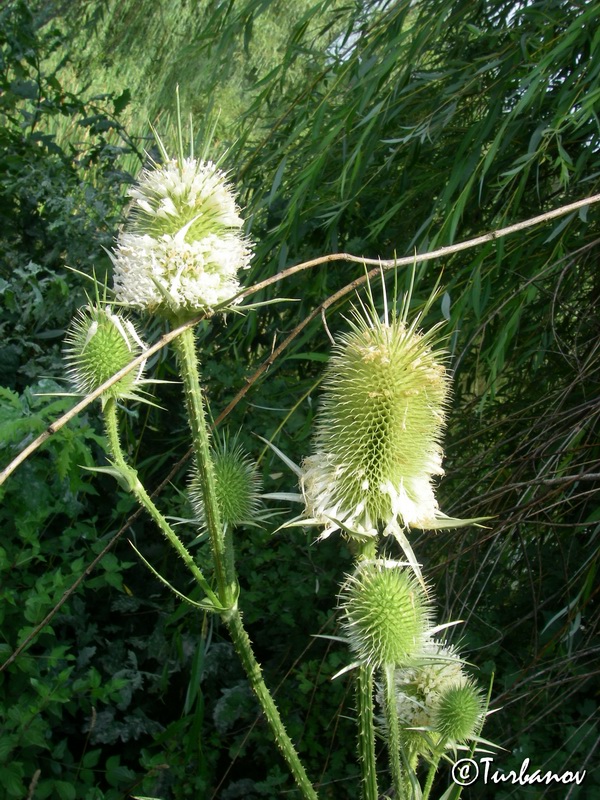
(416, 127)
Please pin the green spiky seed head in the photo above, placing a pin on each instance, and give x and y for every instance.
(386, 614)
(378, 440)
(237, 484)
(459, 713)
(97, 345)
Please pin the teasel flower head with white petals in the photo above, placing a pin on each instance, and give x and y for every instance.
(420, 688)
(182, 246)
(379, 430)
(377, 445)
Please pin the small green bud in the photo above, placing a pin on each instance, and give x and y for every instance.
(237, 485)
(386, 614)
(459, 713)
(97, 345)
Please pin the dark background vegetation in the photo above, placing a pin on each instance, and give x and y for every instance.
(374, 128)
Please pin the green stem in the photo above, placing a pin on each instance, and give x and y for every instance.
(393, 732)
(185, 347)
(230, 568)
(143, 498)
(366, 731)
(224, 561)
(437, 757)
(243, 648)
(365, 550)
(430, 777)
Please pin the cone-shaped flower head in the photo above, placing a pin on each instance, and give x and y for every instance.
(97, 345)
(237, 485)
(386, 614)
(377, 444)
(182, 246)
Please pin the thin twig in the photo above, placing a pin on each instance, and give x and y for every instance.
(62, 421)
(379, 263)
(274, 355)
(419, 258)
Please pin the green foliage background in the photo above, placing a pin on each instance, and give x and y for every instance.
(375, 128)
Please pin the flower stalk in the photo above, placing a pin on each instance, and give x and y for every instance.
(393, 731)
(136, 487)
(366, 730)
(185, 348)
(431, 776)
(224, 560)
(243, 647)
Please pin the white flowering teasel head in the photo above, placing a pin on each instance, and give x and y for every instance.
(377, 446)
(182, 247)
(419, 689)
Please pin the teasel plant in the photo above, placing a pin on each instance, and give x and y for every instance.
(377, 450)
(432, 708)
(370, 478)
(178, 257)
